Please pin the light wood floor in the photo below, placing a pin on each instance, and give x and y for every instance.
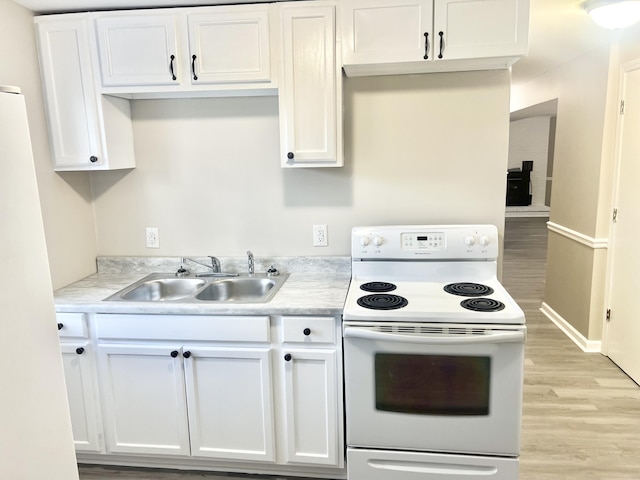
(581, 416)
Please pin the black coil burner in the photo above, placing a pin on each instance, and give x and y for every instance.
(482, 304)
(382, 302)
(378, 287)
(467, 289)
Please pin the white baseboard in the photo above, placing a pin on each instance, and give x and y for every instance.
(586, 345)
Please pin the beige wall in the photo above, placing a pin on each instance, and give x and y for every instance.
(419, 149)
(65, 198)
(573, 285)
(587, 92)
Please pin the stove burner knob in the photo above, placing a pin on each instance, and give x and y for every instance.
(485, 240)
(469, 240)
(364, 240)
(377, 241)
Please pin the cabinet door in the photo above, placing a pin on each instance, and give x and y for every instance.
(384, 31)
(481, 28)
(144, 399)
(311, 399)
(79, 374)
(230, 45)
(230, 403)
(138, 49)
(310, 88)
(70, 97)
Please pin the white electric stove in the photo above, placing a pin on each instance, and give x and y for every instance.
(433, 354)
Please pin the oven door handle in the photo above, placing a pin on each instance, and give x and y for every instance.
(501, 337)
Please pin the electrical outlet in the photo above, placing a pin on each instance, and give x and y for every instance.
(153, 239)
(320, 236)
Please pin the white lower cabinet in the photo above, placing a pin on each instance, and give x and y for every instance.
(312, 391)
(187, 400)
(229, 400)
(248, 391)
(144, 399)
(78, 360)
(311, 397)
(79, 374)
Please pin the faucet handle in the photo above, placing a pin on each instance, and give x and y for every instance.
(215, 264)
(182, 271)
(251, 264)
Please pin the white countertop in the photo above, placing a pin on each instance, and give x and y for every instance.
(309, 291)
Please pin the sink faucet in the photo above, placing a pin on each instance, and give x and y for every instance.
(215, 263)
(252, 270)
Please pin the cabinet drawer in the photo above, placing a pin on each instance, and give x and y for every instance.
(72, 325)
(309, 329)
(184, 328)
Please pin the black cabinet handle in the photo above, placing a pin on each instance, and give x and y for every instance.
(193, 67)
(287, 357)
(93, 159)
(290, 155)
(186, 354)
(426, 45)
(441, 43)
(307, 331)
(174, 354)
(79, 350)
(173, 75)
(60, 326)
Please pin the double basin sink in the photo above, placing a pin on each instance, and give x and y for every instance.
(166, 287)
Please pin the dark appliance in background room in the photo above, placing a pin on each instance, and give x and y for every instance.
(433, 356)
(519, 185)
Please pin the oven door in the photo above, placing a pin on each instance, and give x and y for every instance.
(434, 387)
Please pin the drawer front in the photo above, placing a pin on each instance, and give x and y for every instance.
(184, 328)
(309, 329)
(72, 325)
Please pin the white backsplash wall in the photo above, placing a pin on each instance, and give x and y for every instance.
(418, 149)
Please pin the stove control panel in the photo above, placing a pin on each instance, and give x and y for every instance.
(437, 242)
(423, 241)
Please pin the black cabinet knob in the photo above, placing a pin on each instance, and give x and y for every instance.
(307, 331)
(79, 350)
(174, 354)
(186, 354)
(60, 326)
(93, 159)
(287, 357)
(290, 155)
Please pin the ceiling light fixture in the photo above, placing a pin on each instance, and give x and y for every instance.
(613, 13)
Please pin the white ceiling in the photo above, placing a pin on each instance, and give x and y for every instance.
(559, 29)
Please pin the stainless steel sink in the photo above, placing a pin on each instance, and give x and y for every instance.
(163, 289)
(166, 287)
(240, 289)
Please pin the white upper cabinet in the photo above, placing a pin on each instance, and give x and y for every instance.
(138, 49)
(383, 31)
(310, 92)
(150, 51)
(86, 130)
(382, 37)
(481, 28)
(230, 45)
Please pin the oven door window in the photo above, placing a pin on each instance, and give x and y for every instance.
(432, 384)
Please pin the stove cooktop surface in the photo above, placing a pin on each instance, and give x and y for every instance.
(471, 302)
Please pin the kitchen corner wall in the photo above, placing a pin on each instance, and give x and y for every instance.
(66, 200)
(418, 149)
